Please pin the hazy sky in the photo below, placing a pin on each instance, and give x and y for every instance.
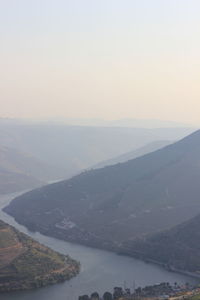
(100, 58)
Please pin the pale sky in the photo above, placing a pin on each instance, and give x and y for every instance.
(106, 59)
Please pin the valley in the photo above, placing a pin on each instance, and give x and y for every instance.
(118, 208)
(99, 150)
(100, 270)
(110, 207)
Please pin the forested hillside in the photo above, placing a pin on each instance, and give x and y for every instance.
(177, 248)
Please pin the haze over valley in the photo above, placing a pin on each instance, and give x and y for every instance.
(35, 153)
(99, 150)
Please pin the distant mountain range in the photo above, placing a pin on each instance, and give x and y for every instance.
(20, 162)
(26, 264)
(20, 171)
(108, 207)
(135, 123)
(75, 148)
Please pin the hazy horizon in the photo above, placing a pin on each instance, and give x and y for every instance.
(100, 122)
(100, 149)
(106, 60)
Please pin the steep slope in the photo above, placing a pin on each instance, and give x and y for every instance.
(107, 206)
(151, 147)
(26, 264)
(178, 247)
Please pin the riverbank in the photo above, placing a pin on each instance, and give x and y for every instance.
(25, 264)
(100, 270)
(103, 245)
(162, 291)
(158, 263)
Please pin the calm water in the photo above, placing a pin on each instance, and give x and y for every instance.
(101, 270)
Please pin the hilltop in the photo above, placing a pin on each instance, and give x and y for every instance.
(26, 264)
(108, 206)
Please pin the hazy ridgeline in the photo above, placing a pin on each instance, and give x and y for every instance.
(34, 153)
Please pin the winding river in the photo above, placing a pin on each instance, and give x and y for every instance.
(101, 270)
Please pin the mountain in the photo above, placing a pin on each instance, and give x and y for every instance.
(105, 207)
(75, 148)
(135, 123)
(151, 147)
(20, 171)
(176, 248)
(147, 123)
(11, 182)
(14, 160)
(26, 264)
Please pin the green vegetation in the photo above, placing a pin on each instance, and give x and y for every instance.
(7, 239)
(161, 291)
(177, 248)
(26, 264)
(196, 297)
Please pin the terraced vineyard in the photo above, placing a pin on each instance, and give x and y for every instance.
(26, 264)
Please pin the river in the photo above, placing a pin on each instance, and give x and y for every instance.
(100, 270)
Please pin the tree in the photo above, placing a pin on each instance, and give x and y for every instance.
(118, 293)
(138, 291)
(107, 296)
(84, 297)
(94, 296)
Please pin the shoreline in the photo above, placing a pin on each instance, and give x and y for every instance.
(110, 248)
(39, 282)
(34, 265)
(167, 268)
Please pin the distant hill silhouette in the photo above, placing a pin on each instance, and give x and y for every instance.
(151, 147)
(135, 123)
(106, 207)
(75, 148)
(20, 171)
